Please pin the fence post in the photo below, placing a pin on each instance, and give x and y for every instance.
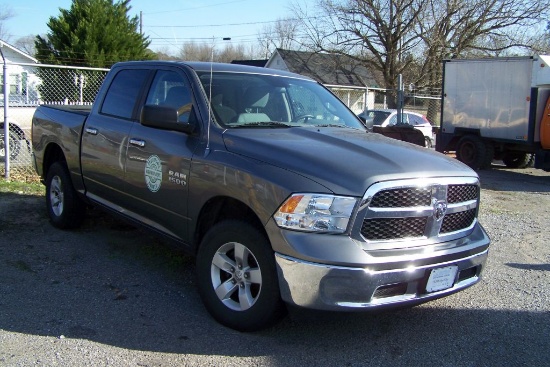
(400, 99)
(6, 123)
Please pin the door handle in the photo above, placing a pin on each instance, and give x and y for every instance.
(137, 142)
(91, 130)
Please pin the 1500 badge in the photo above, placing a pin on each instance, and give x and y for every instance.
(178, 178)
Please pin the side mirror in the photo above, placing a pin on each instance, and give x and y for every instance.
(163, 117)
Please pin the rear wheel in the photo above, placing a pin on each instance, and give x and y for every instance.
(64, 207)
(518, 159)
(489, 155)
(472, 151)
(237, 277)
(14, 144)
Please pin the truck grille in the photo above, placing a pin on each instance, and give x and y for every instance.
(432, 210)
(391, 228)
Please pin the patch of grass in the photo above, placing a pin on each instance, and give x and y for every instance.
(22, 188)
(21, 265)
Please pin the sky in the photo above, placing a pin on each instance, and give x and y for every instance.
(167, 23)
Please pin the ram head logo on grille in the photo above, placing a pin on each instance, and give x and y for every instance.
(440, 208)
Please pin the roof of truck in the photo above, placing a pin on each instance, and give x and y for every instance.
(204, 66)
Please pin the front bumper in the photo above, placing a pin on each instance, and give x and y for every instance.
(338, 288)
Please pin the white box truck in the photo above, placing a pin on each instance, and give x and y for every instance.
(496, 108)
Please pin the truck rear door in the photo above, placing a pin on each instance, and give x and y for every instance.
(105, 137)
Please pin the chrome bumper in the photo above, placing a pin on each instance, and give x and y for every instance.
(327, 287)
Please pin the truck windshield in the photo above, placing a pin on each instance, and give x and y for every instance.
(252, 100)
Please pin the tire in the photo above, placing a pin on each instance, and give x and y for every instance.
(489, 155)
(472, 151)
(15, 145)
(517, 159)
(428, 143)
(65, 208)
(237, 277)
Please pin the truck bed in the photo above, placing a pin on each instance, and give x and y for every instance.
(62, 125)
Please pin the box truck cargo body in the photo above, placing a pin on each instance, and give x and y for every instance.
(496, 108)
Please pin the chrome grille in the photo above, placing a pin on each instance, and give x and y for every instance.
(399, 214)
(457, 221)
(389, 228)
(458, 193)
(404, 197)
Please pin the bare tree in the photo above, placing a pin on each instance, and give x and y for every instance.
(541, 43)
(205, 51)
(5, 14)
(412, 37)
(380, 35)
(231, 52)
(281, 34)
(192, 51)
(461, 28)
(26, 44)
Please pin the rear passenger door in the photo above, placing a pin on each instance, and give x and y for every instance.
(158, 163)
(105, 137)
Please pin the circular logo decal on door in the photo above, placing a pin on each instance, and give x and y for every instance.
(153, 173)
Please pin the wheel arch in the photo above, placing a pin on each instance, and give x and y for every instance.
(221, 208)
(458, 134)
(53, 153)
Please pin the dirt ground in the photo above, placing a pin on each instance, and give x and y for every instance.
(108, 294)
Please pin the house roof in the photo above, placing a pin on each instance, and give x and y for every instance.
(17, 52)
(330, 69)
(260, 63)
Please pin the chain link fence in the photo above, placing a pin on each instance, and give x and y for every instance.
(358, 99)
(30, 85)
(26, 87)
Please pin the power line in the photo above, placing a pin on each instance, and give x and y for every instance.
(234, 24)
(195, 8)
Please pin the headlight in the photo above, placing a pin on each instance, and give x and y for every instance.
(316, 213)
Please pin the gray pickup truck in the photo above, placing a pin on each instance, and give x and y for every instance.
(271, 182)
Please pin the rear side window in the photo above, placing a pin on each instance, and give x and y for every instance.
(378, 117)
(123, 92)
(416, 120)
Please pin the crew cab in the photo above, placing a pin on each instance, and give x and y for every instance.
(271, 182)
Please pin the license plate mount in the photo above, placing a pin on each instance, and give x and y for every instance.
(441, 278)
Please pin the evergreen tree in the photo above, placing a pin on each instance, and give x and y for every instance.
(95, 33)
(92, 33)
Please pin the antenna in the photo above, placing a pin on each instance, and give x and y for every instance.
(207, 151)
(209, 100)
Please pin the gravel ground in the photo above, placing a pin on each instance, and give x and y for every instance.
(111, 295)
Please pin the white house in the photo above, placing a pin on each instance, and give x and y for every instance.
(348, 79)
(22, 79)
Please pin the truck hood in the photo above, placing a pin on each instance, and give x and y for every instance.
(345, 161)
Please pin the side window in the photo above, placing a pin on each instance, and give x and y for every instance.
(172, 90)
(123, 92)
(394, 121)
(414, 120)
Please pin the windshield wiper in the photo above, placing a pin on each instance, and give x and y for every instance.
(264, 124)
(334, 125)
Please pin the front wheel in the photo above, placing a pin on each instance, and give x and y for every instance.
(472, 151)
(64, 207)
(237, 277)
